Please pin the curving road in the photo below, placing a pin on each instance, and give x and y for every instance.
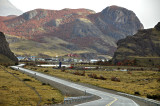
(107, 99)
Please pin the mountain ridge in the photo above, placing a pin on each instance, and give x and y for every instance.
(78, 27)
(144, 45)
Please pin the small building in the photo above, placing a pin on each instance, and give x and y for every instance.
(94, 60)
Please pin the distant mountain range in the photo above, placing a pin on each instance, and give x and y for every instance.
(52, 32)
(6, 9)
(144, 47)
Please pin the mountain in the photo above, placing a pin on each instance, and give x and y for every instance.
(144, 47)
(117, 22)
(6, 9)
(69, 31)
(6, 56)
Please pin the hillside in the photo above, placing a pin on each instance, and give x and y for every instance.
(6, 56)
(69, 30)
(6, 9)
(143, 46)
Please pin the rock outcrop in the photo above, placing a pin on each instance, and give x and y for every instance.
(6, 52)
(146, 44)
(117, 22)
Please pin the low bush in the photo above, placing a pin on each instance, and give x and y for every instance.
(45, 70)
(129, 72)
(26, 79)
(102, 78)
(44, 84)
(96, 77)
(142, 69)
(136, 93)
(158, 79)
(115, 79)
(63, 69)
(93, 76)
(154, 96)
(4, 87)
(79, 73)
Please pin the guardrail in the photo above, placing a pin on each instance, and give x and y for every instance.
(69, 101)
(150, 102)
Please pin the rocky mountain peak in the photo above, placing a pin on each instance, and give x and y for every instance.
(114, 18)
(116, 14)
(157, 27)
(29, 15)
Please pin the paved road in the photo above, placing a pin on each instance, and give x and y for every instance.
(107, 99)
(55, 65)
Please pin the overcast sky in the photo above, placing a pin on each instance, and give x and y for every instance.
(148, 11)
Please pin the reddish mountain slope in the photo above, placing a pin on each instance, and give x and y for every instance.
(82, 29)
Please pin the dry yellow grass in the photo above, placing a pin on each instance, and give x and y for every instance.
(14, 92)
(144, 82)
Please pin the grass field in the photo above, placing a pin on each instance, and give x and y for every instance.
(143, 82)
(49, 48)
(14, 92)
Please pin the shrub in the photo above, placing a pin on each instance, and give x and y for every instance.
(79, 73)
(63, 69)
(4, 87)
(159, 68)
(115, 79)
(83, 74)
(136, 93)
(53, 100)
(45, 70)
(142, 69)
(96, 77)
(44, 84)
(102, 78)
(153, 96)
(158, 80)
(93, 76)
(26, 79)
(97, 68)
(129, 72)
(76, 73)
